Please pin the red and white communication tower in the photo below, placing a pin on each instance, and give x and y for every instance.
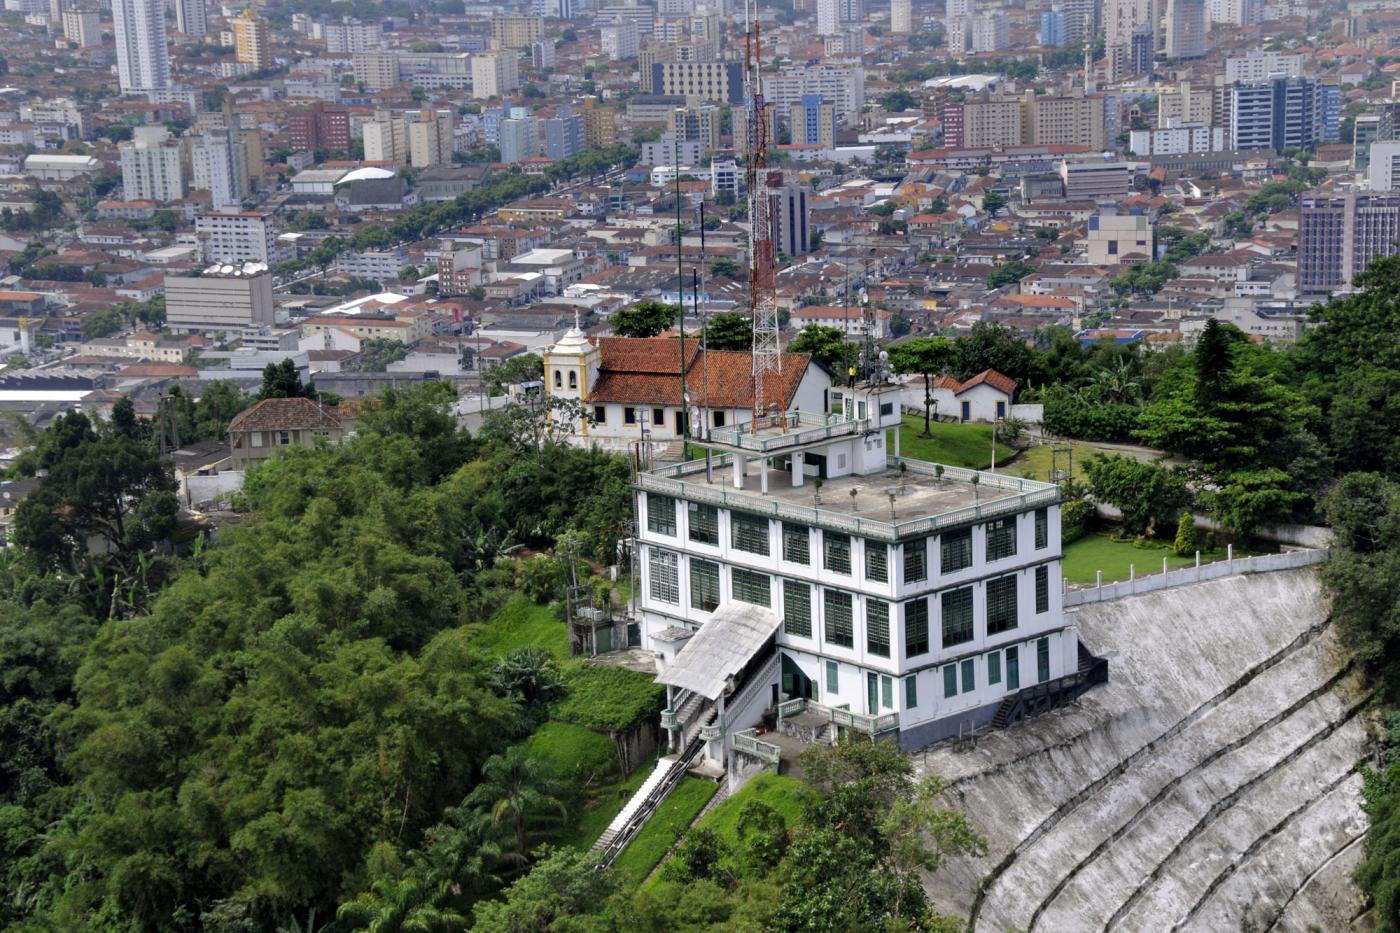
(761, 183)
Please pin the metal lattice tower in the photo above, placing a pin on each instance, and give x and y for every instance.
(763, 274)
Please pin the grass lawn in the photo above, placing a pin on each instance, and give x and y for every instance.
(577, 755)
(782, 793)
(1095, 552)
(1035, 462)
(963, 445)
(671, 819)
(520, 623)
(601, 806)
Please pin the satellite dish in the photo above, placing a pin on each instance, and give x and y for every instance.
(884, 356)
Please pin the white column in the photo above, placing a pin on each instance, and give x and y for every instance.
(799, 462)
(739, 467)
(763, 476)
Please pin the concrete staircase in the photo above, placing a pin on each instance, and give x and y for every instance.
(629, 809)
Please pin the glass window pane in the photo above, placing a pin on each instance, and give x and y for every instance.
(1013, 668)
(664, 575)
(916, 627)
(1001, 605)
(994, 667)
(839, 624)
(957, 616)
(877, 627)
(950, 681)
(797, 608)
(956, 550)
(1042, 528)
(887, 691)
(661, 514)
(876, 561)
(915, 560)
(832, 683)
(749, 533)
(1042, 660)
(704, 523)
(1042, 589)
(969, 675)
(911, 691)
(704, 585)
(1001, 538)
(796, 544)
(836, 552)
(750, 586)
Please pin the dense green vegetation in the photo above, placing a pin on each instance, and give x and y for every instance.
(661, 832)
(299, 716)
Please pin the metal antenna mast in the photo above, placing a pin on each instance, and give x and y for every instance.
(763, 295)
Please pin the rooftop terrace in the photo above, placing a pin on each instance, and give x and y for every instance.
(927, 497)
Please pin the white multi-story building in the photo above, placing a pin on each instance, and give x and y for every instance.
(348, 37)
(1259, 66)
(238, 236)
(620, 40)
(901, 17)
(806, 570)
(192, 18)
(143, 58)
(957, 25)
(990, 33)
(218, 168)
(82, 27)
(1177, 140)
(842, 85)
(151, 166)
(494, 74)
(1384, 168)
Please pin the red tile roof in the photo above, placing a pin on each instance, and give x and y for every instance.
(650, 374)
(284, 414)
(991, 377)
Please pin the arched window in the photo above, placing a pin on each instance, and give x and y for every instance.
(573, 379)
(558, 379)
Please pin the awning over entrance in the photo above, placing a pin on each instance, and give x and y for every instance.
(733, 635)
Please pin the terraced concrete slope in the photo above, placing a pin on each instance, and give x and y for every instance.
(1211, 785)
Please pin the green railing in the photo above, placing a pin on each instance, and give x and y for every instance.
(747, 741)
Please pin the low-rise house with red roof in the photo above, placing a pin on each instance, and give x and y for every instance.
(256, 433)
(987, 396)
(658, 390)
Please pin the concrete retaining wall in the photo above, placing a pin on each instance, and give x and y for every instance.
(1262, 563)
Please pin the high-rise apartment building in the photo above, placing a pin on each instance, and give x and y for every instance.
(843, 85)
(620, 41)
(1186, 28)
(788, 208)
(419, 138)
(812, 121)
(1236, 12)
(494, 74)
(192, 18)
(237, 236)
(82, 27)
(957, 25)
(699, 124)
(515, 30)
(991, 33)
(143, 57)
(219, 162)
(351, 36)
(252, 40)
(563, 135)
(1052, 28)
(714, 82)
(1259, 66)
(1383, 167)
(1130, 35)
(989, 122)
(1277, 114)
(376, 70)
(1339, 235)
(319, 126)
(1370, 128)
(152, 167)
(901, 17)
(599, 124)
(518, 139)
(1186, 104)
(1070, 120)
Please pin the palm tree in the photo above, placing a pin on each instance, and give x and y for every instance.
(406, 905)
(1117, 383)
(517, 790)
(459, 855)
